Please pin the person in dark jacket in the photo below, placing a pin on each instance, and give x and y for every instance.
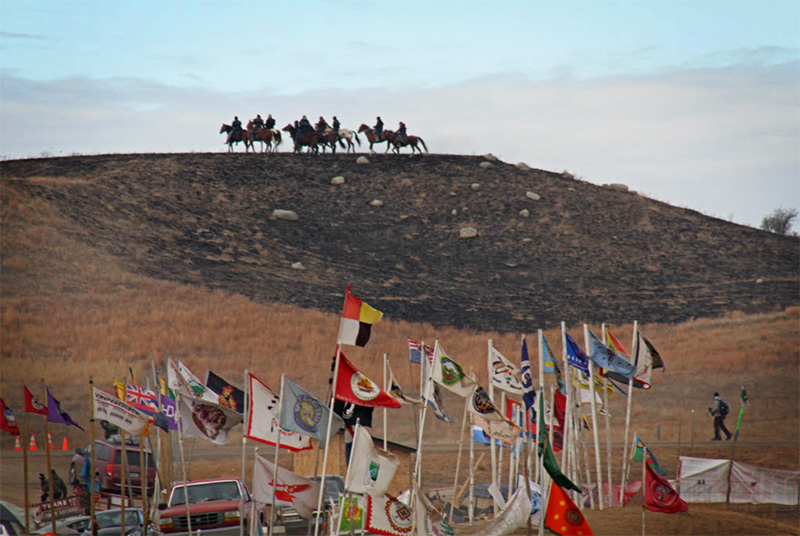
(270, 123)
(379, 128)
(59, 487)
(336, 124)
(236, 127)
(258, 124)
(321, 126)
(718, 411)
(402, 137)
(303, 126)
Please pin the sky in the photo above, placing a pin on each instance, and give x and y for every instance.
(696, 104)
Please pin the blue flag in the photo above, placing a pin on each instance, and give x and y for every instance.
(435, 403)
(605, 358)
(528, 394)
(301, 412)
(575, 355)
(551, 367)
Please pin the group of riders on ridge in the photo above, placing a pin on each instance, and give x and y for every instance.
(320, 135)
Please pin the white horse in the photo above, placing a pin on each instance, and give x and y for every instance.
(348, 135)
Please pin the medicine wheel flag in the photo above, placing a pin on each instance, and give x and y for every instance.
(563, 517)
(357, 320)
(659, 496)
(354, 387)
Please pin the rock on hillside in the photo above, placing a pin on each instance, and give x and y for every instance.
(572, 251)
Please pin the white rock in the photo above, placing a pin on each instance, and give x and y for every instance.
(362, 160)
(337, 180)
(454, 212)
(485, 165)
(533, 195)
(468, 232)
(376, 203)
(298, 266)
(280, 214)
(476, 186)
(490, 157)
(618, 187)
(525, 213)
(523, 166)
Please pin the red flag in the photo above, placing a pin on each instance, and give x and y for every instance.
(559, 410)
(32, 405)
(563, 517)
(7, 420)
(353, 387)
(659, 496)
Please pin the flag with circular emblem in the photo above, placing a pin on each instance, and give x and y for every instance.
(354, 387)
(563, 517)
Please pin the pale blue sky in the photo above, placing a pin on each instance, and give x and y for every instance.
(693, 103)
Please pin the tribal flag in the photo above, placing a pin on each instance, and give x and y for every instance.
(142, 399)
(229, 396)
(287, 489)
(168, 415)
(301, 412)
(659, 496)
(262, 423)
(397, 392)
(450, 375)
(528, 393)
(352, 515)
(503, 374)
(370, 470)
(638, 448)
(357, 320)
(7, 420)
(548, 459)
(121, 414)
(606, 359)
(500, 430)
(58, 415)
(563, 517)
(429, 522)
(575, 356)
(435, 402)
(206, 420)
(551, 366)
(32, 404)
(618, 348)
(388, 516)
(647, 358)
(353, 387)
(181, 380)
(415, 352)
(481, 405)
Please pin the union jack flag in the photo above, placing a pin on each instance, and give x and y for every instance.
(142, 399)
(415, 352)
(575, 356)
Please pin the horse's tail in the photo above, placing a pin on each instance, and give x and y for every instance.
(423, 143)
(358, 140)
(277, 135)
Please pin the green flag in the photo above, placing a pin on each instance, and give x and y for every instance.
(546, 453)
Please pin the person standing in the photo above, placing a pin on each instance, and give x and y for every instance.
(719, 411)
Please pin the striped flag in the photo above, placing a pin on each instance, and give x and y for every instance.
(357, 320)
(575, 356)
(415, 352)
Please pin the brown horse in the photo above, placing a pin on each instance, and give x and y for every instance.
(386, 135)
(411, 141)
(329, 138)
(242, 135)
(309, 139)
(272, 138)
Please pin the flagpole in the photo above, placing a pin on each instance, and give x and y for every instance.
(277, 451)
(244, 440)
(634, 353)
(253, 516)
(644, 488)
(328, 432)
(49, 466)
(492, 449)
(183, 463)
(25, 472)
(385, 388)
(471, 477)
(595, 433)
(608, 427)
(460, 448)
(568, 411)
(418, 464)
(540, 419)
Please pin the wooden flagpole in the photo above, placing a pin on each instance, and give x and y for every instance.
(418, 464)
(471, 479)
(245, 420)
(277, 451)
(183, 466)
(492, 446)
(25, 447)
(595, 433)
(458, 460)
(46, 444)
(568, 385)
(608, 426)
(545, 492)
(634, 353)
(385, 417)
(328, 434)
(253, 517)
(644, 488)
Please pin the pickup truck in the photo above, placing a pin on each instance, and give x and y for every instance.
(214, 507)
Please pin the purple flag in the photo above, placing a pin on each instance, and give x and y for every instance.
(56, 414)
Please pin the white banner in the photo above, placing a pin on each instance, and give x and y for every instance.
(112, 409)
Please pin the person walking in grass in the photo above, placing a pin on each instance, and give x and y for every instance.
(719, 411)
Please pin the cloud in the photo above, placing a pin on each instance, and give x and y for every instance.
(24, 36)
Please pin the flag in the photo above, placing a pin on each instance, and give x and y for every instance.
(7, 420)
(647, 358)
(499, 430)
(651, 459)
(285, 489)
(435, 402)
(388, 516)
(229, 396)
(450, 375)
(370, 470)
(528, 393)
(121, 414)
(575, 356)
(352, 386)
(58, 415)
(351, 519)
(168, 415)
(301, 412)
(551, 366)
(181, 380)
(563, 517)
(617, 347)
(514, 514)
(429, 522)
(357, 320)
(397, 392)
(206, 420)
(548, 459)
(353, 414)
(503, 374)
(559, 411)
(262, 422)
(142, 399)
(605, 358)
(480, 404)
(415, 351)
(659, 496)
(32, 404)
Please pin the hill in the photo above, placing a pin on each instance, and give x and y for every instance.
(582, 253)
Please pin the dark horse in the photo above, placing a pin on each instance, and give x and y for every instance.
(411, 141)
(386, 135)
(272, 138)
(329, 138)
(309, 139)
(242, 135)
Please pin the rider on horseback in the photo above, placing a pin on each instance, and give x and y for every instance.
(336, 124)
(270, 124)
(321, 126)
(402, 137)
(302, 127)
(379, 128)
(236, 128)
(258, 124)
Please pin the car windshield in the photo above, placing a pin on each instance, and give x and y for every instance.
(133, 458)
(208, 491)
(113, 518)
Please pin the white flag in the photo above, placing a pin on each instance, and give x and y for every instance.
(370, 470)
(181, 380)
(206, 420)
(449, 374)
(112, 409)
(503, 374)
(497, 429)
(288, 489)
(263, 422)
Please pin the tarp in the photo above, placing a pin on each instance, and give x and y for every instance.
(706, 480)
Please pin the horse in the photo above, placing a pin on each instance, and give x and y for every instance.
(272, 138)
(242, 135)
(412, 141)
(386, 135)
(347, 135)
(309, 139)
(329, 138)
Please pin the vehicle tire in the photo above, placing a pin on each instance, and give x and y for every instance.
(73, 475)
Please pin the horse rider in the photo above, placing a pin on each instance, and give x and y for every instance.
(336, 124)
(402, 137)
(302, 127)
(258, 124)
(236, 127)
(321, 126)
(270, 124)
(379, 128)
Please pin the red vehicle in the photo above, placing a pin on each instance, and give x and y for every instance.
(108, 462)
(216, 506)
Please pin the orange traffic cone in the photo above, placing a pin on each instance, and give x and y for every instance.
(17, 445)
(49, 441)
(33, 442)
(64, 446)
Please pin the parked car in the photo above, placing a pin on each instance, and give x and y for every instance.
(214, 507)
(108, 521)
(108, 462)
(12, 520)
